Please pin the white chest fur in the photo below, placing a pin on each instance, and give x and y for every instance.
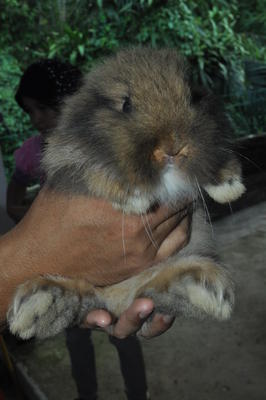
(173, 188)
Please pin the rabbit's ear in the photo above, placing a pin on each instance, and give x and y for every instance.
(230, 186)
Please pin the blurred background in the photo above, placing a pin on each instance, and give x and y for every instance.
(224, 40)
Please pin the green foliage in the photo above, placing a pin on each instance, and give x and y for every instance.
(218, 37)
(207, 32)
(246, 101)
(15, 126)
(252, 17)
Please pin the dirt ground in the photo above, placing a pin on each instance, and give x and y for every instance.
(193, 360)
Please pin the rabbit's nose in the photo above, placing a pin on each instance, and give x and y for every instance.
(173, 155)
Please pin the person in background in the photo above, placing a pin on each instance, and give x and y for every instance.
(41, 92)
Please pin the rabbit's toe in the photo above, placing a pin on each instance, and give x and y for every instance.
(211, 291)
(41, 311)
(195, 287)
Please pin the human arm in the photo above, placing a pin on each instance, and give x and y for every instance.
(77, 236)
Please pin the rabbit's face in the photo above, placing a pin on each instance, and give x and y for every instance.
(136, 123)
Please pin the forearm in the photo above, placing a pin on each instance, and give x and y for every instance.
(21, 258)
(50, 240)
(12, 270)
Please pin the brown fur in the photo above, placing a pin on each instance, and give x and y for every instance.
(137, 134)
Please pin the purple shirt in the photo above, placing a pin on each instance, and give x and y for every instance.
(27, 160)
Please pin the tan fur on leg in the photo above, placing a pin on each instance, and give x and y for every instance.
(203, 282)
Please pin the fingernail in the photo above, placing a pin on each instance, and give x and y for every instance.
(102, 324)
(167, 319)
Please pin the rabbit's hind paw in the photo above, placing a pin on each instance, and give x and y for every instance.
(42, 308)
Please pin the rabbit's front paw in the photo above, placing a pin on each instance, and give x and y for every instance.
(42, 308)
(209, 288)
(196, 286)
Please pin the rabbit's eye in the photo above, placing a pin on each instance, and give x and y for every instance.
(127, 106)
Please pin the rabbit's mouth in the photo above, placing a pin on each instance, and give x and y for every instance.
(171, 156)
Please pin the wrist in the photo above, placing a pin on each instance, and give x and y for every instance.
(15, 266)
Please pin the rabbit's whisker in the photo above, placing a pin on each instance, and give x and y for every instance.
(244, 157)
(249, 160)
(123, 228)
(149, 234)
(123, 236)
(150, 230)
(204, 204)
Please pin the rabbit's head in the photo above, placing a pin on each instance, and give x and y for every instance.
(137, 130)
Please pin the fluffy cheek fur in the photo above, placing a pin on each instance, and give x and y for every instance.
(231, 186)
(227, 191)
(176, 188)
(173, 188)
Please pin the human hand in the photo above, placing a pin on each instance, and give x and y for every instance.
(133, 320)
(84, 237)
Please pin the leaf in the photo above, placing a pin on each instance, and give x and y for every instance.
(73, 57)
(81, 49)
(100, 3)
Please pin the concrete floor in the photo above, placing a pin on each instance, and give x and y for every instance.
(193, 360)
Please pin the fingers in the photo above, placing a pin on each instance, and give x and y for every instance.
(97, 319)
(163, 213)
(132, 319)
(167, 226)
(163, 228)
(159, 324)
(175, 241)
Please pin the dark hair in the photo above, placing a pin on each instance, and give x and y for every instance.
(48, 81)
